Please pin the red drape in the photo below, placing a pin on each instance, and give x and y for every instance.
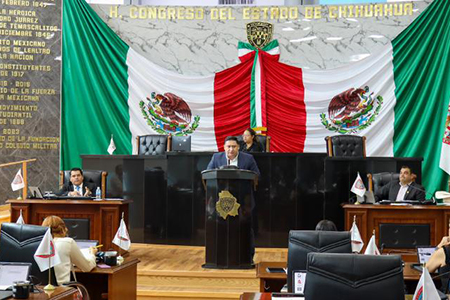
(285, 105)
(232, 100)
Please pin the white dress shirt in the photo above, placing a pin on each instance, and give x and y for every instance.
(234, 161)
(75, 188)
(402, 192)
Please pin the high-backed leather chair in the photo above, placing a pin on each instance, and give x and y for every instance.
(302, 242)
(346, 145)
(378, 180)
(18, 243)
(354, 277)
(153, 144)
(98, 177)
(263, 140)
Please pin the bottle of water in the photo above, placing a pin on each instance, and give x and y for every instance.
(98, 193)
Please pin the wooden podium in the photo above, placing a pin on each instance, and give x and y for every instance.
(229, 218)
(104, 215)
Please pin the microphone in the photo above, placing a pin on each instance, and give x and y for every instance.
(382, 248)
(433, 200)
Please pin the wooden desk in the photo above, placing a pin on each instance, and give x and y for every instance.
(115, 283)
(268, 296)
(369, 217)
(273, 282)
(60, 293)
(104, 215)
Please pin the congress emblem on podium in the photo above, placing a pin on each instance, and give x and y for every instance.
(227, 205)
(169, 114)
(352, 110)
(259, 34)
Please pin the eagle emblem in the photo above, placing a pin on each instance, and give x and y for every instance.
(352, 110)
(168, 114)
(259, 34)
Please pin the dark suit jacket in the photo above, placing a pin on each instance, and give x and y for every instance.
(389, 192)
(68, 187)
(245, 162)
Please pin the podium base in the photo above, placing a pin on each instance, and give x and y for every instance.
(238, 267)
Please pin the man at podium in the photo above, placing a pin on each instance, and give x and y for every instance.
(232, 157)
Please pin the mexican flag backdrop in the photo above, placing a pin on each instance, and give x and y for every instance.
(397, 98)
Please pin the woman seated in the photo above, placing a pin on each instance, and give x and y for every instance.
(326, 225)
(68, 251)
(440, 257)
(250, 142)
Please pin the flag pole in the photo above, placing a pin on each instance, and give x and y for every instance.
(120, 258)
(49, 286)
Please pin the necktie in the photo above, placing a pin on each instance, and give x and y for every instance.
(78, 189)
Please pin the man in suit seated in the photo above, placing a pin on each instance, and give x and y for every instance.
(232, 157)
(77, 187)
(404, 189)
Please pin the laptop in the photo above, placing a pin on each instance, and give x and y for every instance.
(181, 143)
(11, 272)
(423, 255)
(35, 192)
(86, 244)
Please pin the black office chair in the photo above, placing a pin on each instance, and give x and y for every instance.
(378, 180)
(346, 145)
(97, 177)
(153, 144)
(263, 140)
(18, 243)
(302, 242)
(354, 277)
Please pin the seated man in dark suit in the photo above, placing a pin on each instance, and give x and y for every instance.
(232, 157)
(404, 189)
(77, 187)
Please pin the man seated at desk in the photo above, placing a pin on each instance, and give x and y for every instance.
(403, 189)
(77, 187)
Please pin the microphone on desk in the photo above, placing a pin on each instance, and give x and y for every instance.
(433, 200)
(382, 248)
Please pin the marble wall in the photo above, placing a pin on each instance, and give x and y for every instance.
(30, 80)
(205, 46)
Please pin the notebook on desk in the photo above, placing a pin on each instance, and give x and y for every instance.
(55, 197)
(9, 273)
(403, 202)
(86, 244)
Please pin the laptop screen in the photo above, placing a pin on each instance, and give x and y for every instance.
(10, 272)
(85, 244)
(181, 143)
(35, 192)
(424, 253)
